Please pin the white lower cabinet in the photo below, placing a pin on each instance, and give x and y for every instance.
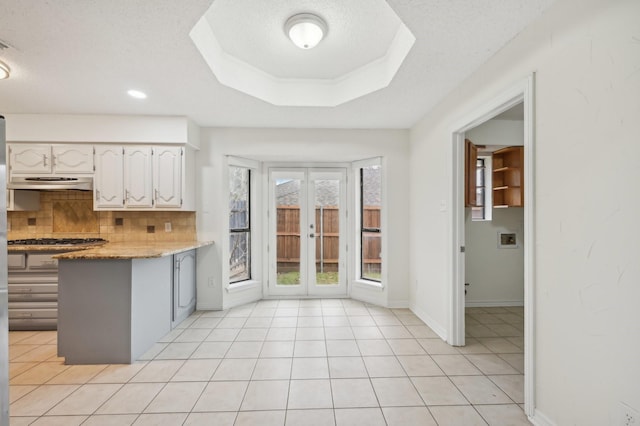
(184, 286)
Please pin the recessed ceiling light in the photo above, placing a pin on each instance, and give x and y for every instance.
(137, 94)
(4, 71)
(305, 30)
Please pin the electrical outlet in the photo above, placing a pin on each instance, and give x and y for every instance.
(628, 416)
(167, 227)
(210, 282)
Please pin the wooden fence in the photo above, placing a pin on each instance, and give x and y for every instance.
(326, 238)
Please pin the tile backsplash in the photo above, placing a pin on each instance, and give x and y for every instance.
(70, 214)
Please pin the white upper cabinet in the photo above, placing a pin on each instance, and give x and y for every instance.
(47, 159)
(26, 159)
(143, 177)
(168, 176)
(138, 177)
(108, 185)
(73, 159)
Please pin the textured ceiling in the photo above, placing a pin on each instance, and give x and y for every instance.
(81, 56)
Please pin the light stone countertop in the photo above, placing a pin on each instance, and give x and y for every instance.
(133, 250)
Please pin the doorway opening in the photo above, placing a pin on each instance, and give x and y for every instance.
(307, 232)
(521, 93)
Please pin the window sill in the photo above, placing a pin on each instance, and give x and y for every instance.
(369, 285)
(242, 286)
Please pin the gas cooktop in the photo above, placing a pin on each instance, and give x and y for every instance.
(55, 241)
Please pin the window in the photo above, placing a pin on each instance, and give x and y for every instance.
(482, 210)
(239, 224)
(370, 230)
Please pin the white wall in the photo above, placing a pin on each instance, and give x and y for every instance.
(301, 145)
(495, 275)
(100, 128)
(586, 56)
(498, 132)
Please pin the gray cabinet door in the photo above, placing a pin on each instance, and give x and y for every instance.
(184, 285)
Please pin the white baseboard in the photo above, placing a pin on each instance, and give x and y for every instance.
(369, 294)
(433, 324)
(398, 304)
(492, 303)
(208, 307)
(540, 419)
(231, 300)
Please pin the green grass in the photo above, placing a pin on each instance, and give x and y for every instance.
(293, 278)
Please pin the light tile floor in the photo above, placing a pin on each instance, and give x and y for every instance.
(286, 362)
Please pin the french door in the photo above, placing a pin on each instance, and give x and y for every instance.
(307, 232)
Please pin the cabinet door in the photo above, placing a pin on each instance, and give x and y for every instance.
(29, 159)
(470, 169)
(108, 185)
(184, 285)
(167, 176)
(10, 200)
(138, 175)
(73, 158)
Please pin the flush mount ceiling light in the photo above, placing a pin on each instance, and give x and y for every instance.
(136, 94)
(4, 71)
(305, 30)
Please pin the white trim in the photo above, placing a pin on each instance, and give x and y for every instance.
(540, 419)
(255, 202)
(431, 323)
(307, 174)
(242, 286)
(368, 296)
(354, 257)
(493, 303)
(246, 297)
(243, 162)
(369, 285)
(522, 91)
(398, 304)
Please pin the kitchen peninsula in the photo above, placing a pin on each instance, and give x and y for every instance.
(115, 301)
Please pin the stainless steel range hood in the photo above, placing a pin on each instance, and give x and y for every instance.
(51, 183)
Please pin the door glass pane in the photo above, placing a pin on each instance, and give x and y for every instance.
(287, 193)
(327, 230)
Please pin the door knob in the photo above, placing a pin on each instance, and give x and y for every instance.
(311, 235)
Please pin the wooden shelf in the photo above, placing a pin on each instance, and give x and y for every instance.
(504, 169)
(508, 177)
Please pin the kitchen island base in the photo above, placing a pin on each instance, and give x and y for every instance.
(111, 311)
